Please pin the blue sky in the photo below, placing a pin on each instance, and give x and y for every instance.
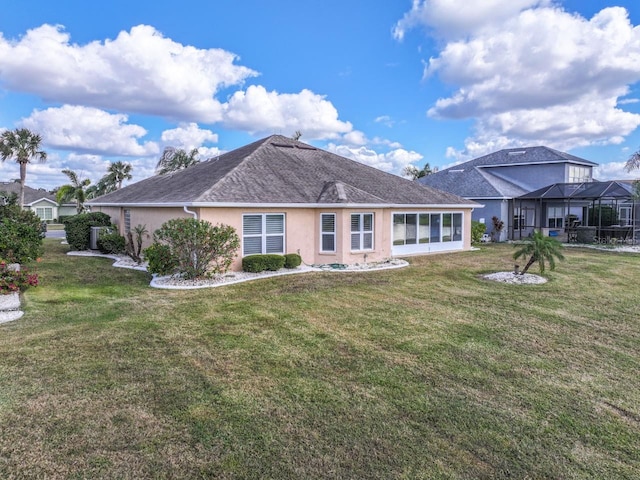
(386, 83)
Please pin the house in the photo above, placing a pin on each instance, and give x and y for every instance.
(43, 203)
(284, 196)
(499, 179)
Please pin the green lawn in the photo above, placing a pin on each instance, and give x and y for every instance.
(422, 372)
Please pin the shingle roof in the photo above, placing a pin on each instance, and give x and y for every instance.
(278, 170)
(31, 195)
(473, 179)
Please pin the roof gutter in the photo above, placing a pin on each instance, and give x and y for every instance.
(471, 204)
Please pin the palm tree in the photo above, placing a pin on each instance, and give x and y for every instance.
(174, 159)
(77, 190)
(117, 173)
(539, 249)
(23, 145)
(633, 162)
(415, 173)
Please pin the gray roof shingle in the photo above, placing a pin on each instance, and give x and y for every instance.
(473, 179)
(278, 170)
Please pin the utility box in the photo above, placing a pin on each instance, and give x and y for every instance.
(93, 239)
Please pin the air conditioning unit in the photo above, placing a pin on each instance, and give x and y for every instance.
(93, 239)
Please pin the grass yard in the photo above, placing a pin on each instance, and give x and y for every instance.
(418, 373)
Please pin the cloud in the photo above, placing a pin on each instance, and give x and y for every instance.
(139, 71)
(614, 171)
(459, 18)
(393, 161)
(261, 112)
(533, 74)
(89, 130)
(188, 136)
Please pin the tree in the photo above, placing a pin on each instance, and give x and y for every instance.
(22, 145)
(415, 173)
(117, 173)
(174, 159)
(76, 190)
(539, 249)
(297, 135)
(112, 180)
(633, 162)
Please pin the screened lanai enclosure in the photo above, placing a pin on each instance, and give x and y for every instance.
(592, 212)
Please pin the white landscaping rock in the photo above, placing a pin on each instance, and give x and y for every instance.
(9, 307)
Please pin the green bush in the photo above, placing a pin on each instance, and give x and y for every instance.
(477, 230)
(78, 228)
(111, 242)
(20, 235)
(161, 262)
(199, 247)
(292, 260)
(260, 263)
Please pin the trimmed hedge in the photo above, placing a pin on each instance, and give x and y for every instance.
(111, 242)
(260, 263)
(292, 260)
(161, 261)
(78, 228)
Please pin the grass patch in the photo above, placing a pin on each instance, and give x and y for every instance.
(422, 372)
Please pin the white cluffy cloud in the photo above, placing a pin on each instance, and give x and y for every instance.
(393, 161)
(139, 71)
(89, 130)
(459, 18)
(258, 111)
(533, 74)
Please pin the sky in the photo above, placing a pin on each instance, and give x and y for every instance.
(387, 83)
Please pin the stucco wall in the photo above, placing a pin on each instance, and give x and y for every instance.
(302, 229)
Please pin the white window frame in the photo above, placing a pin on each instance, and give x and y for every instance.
(362, 233)
(556, 214)
(263, 235)
(325, 233)
(44, 211)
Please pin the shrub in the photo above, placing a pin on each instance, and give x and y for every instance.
(292, 260)
(161, 262)
(199, 247)
(111, 242)
(78, 228)
(20, 235)
(15, 280)
(260, 263)
(477, 230)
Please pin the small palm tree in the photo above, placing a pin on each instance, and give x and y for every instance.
(76, 190)
(174, 159)
(633, 162)
(23, 145)
(539, 249)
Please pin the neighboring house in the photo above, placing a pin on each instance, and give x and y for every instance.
(43, 203)
(498, 179)
(284, 196)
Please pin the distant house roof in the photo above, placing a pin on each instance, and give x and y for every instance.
(474, 179)
(280, 171)
(31, 195)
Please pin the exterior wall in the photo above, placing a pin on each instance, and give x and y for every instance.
(532, 177)
(498, 208)
(302, 229)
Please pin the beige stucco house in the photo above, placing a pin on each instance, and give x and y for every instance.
(284, 196)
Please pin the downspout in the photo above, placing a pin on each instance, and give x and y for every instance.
(194, 214)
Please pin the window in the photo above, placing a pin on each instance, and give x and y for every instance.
(579, 174)
(555, 217)
(328, 232)
(263, 233)
(127, 220)
(45, 213)
(420, 228)
(362, 231)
